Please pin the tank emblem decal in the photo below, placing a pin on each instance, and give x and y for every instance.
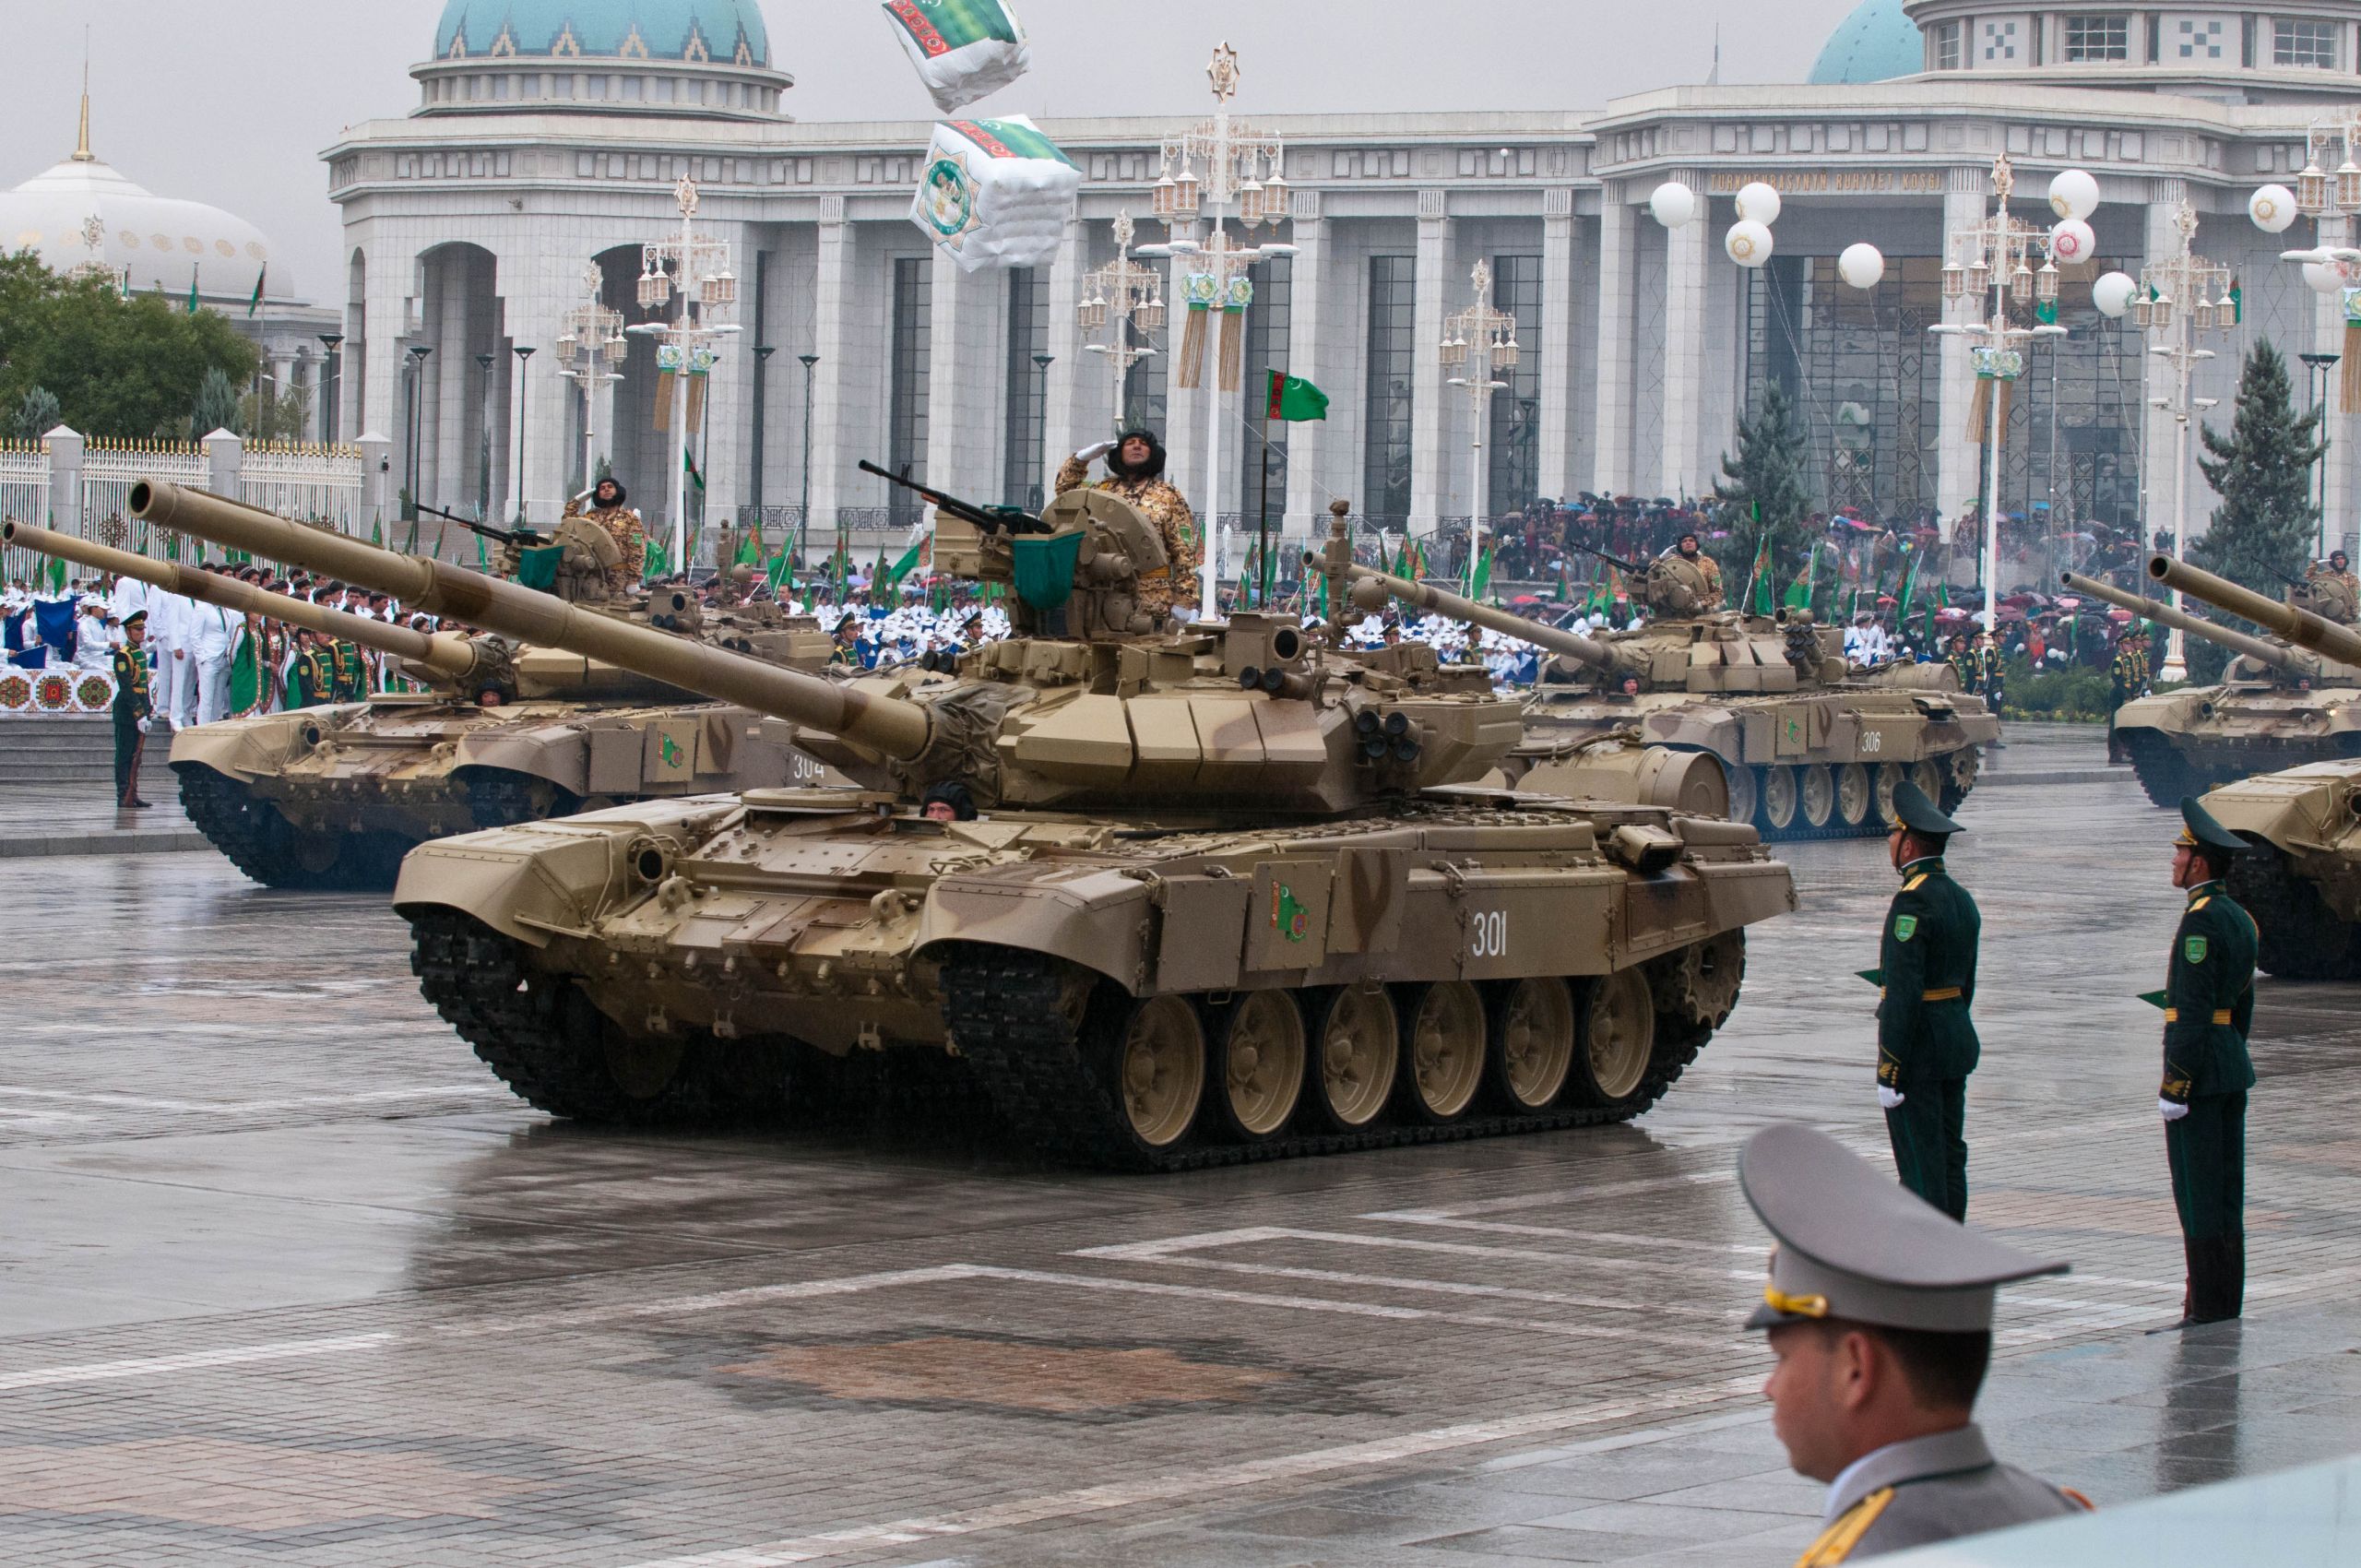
(1288, 918)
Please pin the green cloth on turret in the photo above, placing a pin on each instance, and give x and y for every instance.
(1045, 568)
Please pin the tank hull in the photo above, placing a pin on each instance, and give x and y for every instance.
(333, 797)
(1138, 994)
(1814, 764)
(2303, 885)
(2186, 741)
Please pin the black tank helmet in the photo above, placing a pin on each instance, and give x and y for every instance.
(622, 495)
(1152, 468)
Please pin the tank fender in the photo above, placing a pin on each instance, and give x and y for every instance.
(246, 749)
(1097, 918)
(2303, 809)
(1702, 728)
(2164, 711)
(557, 753)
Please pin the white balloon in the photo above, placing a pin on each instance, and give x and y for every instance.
(1758, 203)
(2273, 208)
(2073, 195)
(1674, 203)
(1861, 265)
(2112, 293)
(2324, 279)
(1748, 242)
(2071, 243)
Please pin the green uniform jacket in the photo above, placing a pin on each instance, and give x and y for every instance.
(2208, 998)
(1928, 971)
(131, 684)
(313, 680)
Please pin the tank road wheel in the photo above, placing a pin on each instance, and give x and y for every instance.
(1855, 797)
(1779, 798)
(1160, 1071)
(1960, 769)
(1743, 791)
(1816, 787)
(1887, 779)
(1260, 1068)
(1356, 1040)
(1928, 773)
(1619, 1035)
(1444, 1040)
(1533, 1043)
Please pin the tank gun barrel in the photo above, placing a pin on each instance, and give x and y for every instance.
(2301, 627)
(2165, 614)
(899, 729)
(1572, 645)
(446, 658)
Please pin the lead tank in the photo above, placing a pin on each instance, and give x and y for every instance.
(1812, 748)
(1232, 894)
(2280, 704)
(334, 796)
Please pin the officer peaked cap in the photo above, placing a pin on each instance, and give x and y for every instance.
(2201, 831)
(1916, 813)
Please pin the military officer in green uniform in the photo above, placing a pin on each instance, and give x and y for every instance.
(349, 671)
(311, 681)
(1926, 1043)
(1880, 1311)
(2209, 1008)
(131, 711)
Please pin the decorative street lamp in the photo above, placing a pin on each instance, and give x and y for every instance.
(804, 521)
(590, 352)
(418, 352)
(2317, 370)
(1123, 296)
(1041, 435)
(696, 268)
(331, 387)
(483, 422)
(2182, 295)
(762, 352)
(1245, 167)
(524, 357)
(1993, 255)
(1478, 342)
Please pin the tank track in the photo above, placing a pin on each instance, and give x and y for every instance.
(2297, 936)
(262, 843)
(1030, 1057)
(2161, 770)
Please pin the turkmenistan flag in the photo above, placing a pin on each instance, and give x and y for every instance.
(688, 461)
(781, 574)
(906, 564)
(656, 564)
(1763, 605)
(1481, 584)
(749, 547)
(192, 291)
(1799, 591)
(1294, 399)
(255, 304)
(2236, 299)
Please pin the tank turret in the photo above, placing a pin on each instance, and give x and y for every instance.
(2305, 627)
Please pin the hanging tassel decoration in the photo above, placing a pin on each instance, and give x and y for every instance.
(1236, 297)
(1979, 411)
(1199, 288)
(663, 418)
(696, 403)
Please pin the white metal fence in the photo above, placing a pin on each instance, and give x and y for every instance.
(316, 483)
(109, 471)
(24, 497)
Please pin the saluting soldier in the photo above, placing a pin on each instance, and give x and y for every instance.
(2209, 1009)
(1136, 472)
(1880, 1311)
(1926, 1043)
(132, 711)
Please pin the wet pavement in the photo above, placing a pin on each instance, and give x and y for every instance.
(287, 1278)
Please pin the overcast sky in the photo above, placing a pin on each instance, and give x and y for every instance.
(229, 102)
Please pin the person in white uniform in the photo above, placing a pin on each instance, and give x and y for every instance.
(213, 638)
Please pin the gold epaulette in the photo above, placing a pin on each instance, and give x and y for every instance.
(1913, 885)
(1836, 1542)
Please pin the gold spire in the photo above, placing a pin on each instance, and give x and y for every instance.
(82, 153)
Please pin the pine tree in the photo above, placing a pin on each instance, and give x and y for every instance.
(35, 415)
(1762, 490)
(2262, 531)
(216, 407)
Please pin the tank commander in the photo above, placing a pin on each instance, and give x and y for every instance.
(948, 801)
(623, 525)
(1879, 1310)
(1926, 980)
(1689, 550)
(1136, 472)
(2209, 1009)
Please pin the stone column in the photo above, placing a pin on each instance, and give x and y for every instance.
(223, 452)
(1430, 428)
(1958, 459)
(963, 444)
(374, 397)
(1557, 345)
(378, 486)
(66, 445)
(1062, 416)
(833, 313)
(1612, 400)
(1306, 506)
(1687, 249)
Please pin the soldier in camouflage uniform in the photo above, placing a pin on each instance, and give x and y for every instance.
(1136, 472)
(622, 525)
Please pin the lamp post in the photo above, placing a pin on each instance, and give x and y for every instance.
(2315, 372)
(698, 270)
(1994, 255)
(803, 520)
(418, 352)
(2182, 295)
(1041, 434)
(1478, 341)
(483, 453)
(1237, 158)
(590, 351)
(524, 357)
(762, 352)
(1122, 294)
(331, 387)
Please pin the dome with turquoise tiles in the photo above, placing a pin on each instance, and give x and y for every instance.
(693, 31)
(1876, 43)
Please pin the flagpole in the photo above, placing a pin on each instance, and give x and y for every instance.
(1263, 524)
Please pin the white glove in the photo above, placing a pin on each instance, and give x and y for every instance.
(1093, 452)
(1888, 1098)
(2170, 1109)
(143, 725)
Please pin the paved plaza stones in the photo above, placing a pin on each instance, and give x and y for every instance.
(288, 1279)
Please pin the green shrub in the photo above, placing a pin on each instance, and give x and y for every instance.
(2079, 695)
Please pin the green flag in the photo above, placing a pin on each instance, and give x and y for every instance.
(57, 573)
(255, 304)
(1762, 576)
(2045, 312)
(1909, 592)
(192, 291)
(689, 463)
(905, 565)
(656, 563)
(780, 575)
(2236, 300)
(1294, 399)
(1799, 591)
(749, 551)
(1482, 583)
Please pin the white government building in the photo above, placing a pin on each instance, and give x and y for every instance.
(549, 133)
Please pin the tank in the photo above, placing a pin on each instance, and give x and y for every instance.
(1812, 749)
(333, 796)
(2285, 700)
(2303, 883)
(1232, 892)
